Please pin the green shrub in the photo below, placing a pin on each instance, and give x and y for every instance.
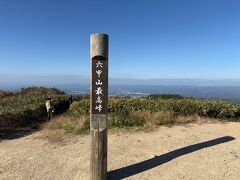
(156, 110)
(28, 105)
(155, 103)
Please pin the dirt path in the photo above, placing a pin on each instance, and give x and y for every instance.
(208, 151)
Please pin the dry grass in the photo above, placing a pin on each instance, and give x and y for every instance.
(155, 118)
(63, 125)
(167, 118)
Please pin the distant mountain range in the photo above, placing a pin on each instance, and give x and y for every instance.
(228, 89)
(231, 93)
(17, 80)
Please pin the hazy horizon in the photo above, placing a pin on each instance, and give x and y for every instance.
(56, 80)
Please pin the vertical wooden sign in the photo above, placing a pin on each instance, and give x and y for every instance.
(99, 105)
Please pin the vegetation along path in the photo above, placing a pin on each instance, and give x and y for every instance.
(193, 151)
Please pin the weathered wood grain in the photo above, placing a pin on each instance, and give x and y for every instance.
(98, 117)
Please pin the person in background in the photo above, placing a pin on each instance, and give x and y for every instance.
(49, 108)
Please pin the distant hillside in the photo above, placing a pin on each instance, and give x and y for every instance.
(231, 93)
(226, 89)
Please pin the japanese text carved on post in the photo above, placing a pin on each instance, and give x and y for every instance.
(99, 106)
(99, 93)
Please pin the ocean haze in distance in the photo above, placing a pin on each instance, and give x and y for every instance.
(18, 81)
(228, 89)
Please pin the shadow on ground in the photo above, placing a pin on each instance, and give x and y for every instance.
(19, 132)
(16, 133)
(140, 167)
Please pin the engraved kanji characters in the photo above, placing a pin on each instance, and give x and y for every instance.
(99, 72)
(99, 64)
(99, 83)
(99, 100)
(99, 107)
(98, 91)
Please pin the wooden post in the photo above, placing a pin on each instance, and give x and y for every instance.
(99, 106)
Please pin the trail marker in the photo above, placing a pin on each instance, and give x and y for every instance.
(99, 105)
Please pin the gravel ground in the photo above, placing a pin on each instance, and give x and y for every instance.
(193, 151)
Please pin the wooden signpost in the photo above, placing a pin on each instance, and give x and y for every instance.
(99, 106)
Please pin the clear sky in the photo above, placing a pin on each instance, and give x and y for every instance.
(148, 38)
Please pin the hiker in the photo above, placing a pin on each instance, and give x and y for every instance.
(50, 108)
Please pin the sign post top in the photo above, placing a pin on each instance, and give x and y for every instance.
(99, 34)
(99, 46)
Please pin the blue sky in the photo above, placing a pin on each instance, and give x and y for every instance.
(148, 39)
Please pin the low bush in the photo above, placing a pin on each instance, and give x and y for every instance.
(158, 110)
(28, 106)
(176, 105)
